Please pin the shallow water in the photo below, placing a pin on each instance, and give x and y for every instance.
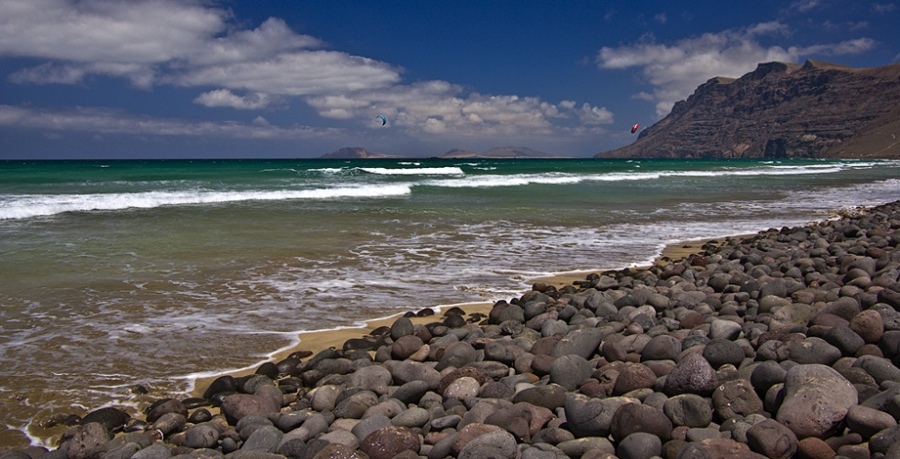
(121, 273)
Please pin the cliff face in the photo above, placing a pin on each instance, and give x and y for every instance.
(781, 111)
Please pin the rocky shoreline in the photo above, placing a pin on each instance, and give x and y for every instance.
(783, 344)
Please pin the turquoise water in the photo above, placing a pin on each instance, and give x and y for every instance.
(117, 273)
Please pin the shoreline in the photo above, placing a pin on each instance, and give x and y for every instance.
(671, 253)
(319, 340)
(738, 320)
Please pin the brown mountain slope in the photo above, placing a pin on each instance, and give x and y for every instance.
(781, 110)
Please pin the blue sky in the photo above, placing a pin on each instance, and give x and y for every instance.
(271, 79)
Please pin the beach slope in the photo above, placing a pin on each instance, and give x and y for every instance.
(780, 344)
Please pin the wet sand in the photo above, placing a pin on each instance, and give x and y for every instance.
(671, 253)
(316, 341)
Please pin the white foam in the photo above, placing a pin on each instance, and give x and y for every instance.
(492, 180)
(556, 178)
(28, 206)
(414, 171)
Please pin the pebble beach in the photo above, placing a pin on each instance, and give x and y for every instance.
(781, 344)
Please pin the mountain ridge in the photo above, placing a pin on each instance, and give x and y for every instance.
(781, 110)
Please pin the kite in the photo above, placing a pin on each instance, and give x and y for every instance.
(634, 128)
(383, 119)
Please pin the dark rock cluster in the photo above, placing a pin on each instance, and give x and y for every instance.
(784, 344)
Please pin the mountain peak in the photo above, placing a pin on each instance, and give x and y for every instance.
(781, 110)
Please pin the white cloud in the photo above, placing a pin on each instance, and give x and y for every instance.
(675, 70)
(294, 74)
(270, 39)
(439, 107)
(804, 6)
(595, 115)
(108, 121)
(50, 74)
(192, 44)
(151, 42)
(226, 98)
(112, 31)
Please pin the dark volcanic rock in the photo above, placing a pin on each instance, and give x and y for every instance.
(221, 385)
(868, 421)
(719, 352)
(570, 371)
(816, 400)
(110, 418)
(766, 375)
(662, 347)
(845, 339)
(237, 406)
(639, 445)
(634, 376)
(85, 441)
(736, 398)
(163, 407)
(633, 417)
(740, 351)
(551, 396)
(693, 375)
(591, 417)
(689, 410)
(201, 436)
(772, 440)
(389, 442)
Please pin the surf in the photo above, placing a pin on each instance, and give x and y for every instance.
(16, 207)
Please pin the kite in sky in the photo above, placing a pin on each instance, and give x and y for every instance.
(383, 119)
(634, 128)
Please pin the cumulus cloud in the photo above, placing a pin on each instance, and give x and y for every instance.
(180, 42)
(675, 70)
(109, 37)
(439, 107)
(112, 31)
(226, 98)
(294, 74)
(116, 122)
(194, 44)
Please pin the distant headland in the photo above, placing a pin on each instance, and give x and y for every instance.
(781, 110)
(508, 152)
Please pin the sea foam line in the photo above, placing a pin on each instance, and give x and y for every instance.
(296, 339)
(499, 180)
(28, 206)
(414, 171)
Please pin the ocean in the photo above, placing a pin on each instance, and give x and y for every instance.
(155, 273)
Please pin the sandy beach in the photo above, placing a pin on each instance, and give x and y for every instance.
(790, 333)
(316, 341)
(671, 253)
